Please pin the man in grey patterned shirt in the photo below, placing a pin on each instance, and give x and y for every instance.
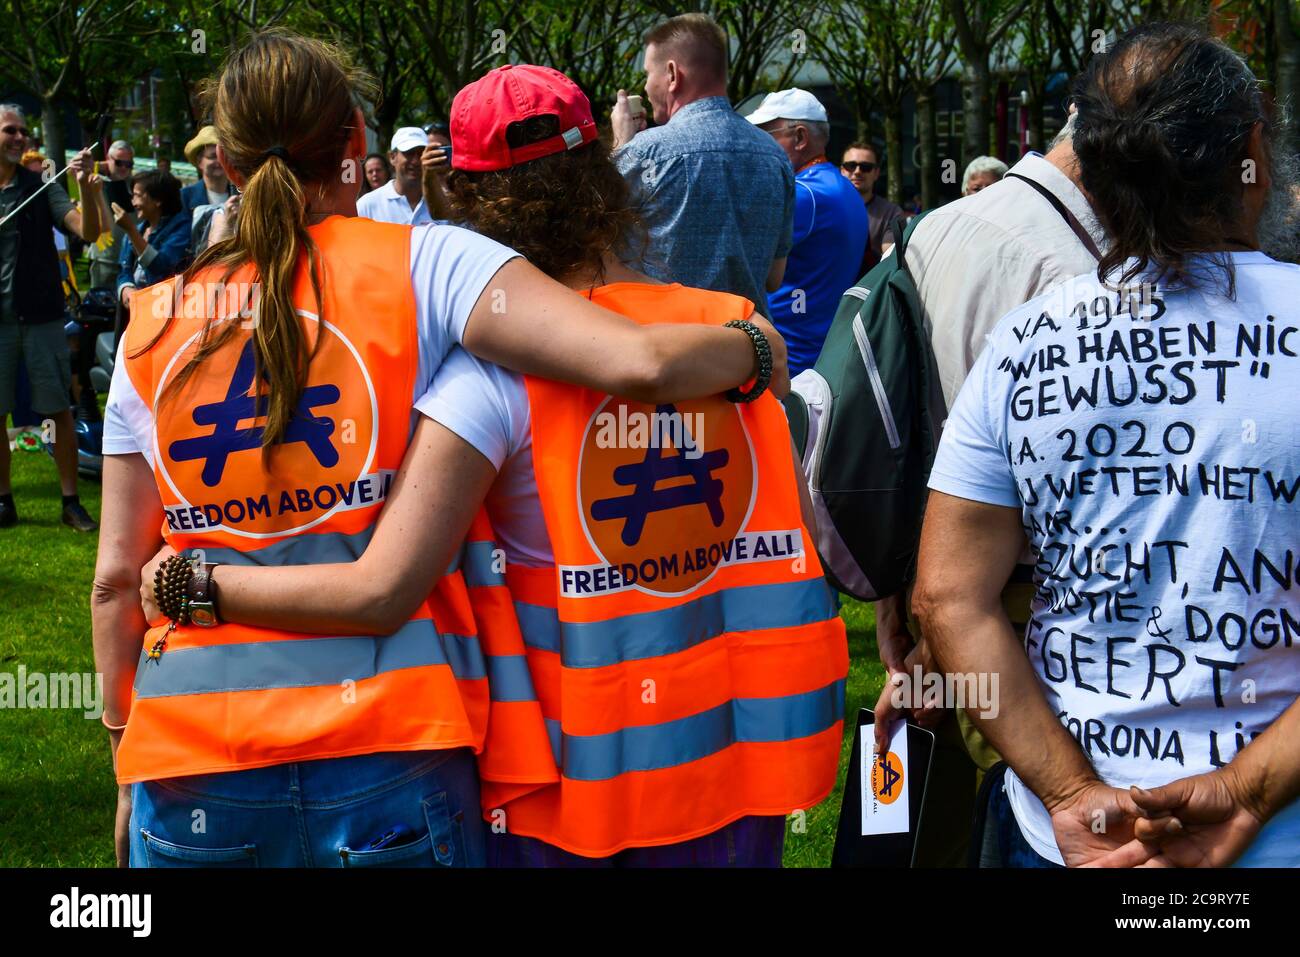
(716, 193)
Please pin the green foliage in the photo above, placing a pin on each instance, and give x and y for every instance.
(423, 51)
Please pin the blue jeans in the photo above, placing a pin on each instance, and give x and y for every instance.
(1015, 850)
(748, 842)
(315, 814)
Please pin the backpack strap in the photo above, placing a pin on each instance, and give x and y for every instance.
(1060, 207)
(796, 414)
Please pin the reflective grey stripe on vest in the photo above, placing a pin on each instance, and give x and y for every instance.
(478, 561)
(509, 678)
(669, 630)
(305, 662)
(322, 548)
(599, 757)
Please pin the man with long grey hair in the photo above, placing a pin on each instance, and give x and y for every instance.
(1135, 424)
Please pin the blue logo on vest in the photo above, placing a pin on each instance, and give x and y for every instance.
(645, 476)
(238, 405)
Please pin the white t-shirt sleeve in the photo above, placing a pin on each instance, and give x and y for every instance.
(128, 419)
(485, 405)
(971, 462)
(450, 269)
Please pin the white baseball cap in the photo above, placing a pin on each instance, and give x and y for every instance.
(793, 104)
(408, 138)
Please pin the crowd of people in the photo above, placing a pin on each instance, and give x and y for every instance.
(548, 362)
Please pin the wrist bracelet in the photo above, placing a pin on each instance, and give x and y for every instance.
(103, 719)
(201, 598)
(170, 582)
(763, 350)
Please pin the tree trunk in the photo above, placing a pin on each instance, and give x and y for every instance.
(894, 151)
(975, 107)
(1037, 134)
(1286, 88)
(862, 130)
(52, 128)
(390, 108)
(929, 147)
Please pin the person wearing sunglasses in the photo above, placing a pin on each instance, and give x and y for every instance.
(32, 302)
(830, 225)
(861, 164)
(116, 171)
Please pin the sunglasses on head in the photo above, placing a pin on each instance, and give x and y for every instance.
(11, 130)
(853, 166)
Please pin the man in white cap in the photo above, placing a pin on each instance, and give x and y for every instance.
(401, 199)
(830, 226)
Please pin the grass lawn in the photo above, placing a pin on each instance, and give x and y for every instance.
(57, 794)
(866, 678)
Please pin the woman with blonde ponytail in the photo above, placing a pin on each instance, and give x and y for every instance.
(260, 413)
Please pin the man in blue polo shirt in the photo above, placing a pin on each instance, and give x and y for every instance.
(830, 226)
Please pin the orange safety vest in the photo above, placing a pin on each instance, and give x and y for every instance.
(685, 647)
(232, 697)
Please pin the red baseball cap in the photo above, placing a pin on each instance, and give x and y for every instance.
(483, 110)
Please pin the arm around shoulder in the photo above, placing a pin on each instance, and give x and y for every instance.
(527, 322)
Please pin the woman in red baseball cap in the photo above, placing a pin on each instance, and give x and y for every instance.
(680, 636)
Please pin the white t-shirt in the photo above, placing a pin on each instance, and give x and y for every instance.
(387, 205)
(1154, 462)
(450, 268)
(487, 406)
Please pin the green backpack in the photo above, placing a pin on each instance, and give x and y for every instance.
(862, 418)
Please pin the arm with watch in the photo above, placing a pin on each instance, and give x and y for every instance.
(439, 488)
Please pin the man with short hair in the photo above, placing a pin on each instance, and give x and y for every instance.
(211, 203)
(715, 193)
(32, 305)
(118, 165)
(861, 164)
(830, 226)
(401, 199)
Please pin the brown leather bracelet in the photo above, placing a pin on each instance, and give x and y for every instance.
(201, 597)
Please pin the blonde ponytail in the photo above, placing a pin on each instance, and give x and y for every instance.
(284, 106)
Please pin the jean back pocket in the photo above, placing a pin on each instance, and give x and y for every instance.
(442, 844)
(160, 853)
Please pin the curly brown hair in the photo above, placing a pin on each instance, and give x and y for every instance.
(562, 212)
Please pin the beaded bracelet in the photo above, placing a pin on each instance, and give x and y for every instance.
(169, 587)
(764, 352)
